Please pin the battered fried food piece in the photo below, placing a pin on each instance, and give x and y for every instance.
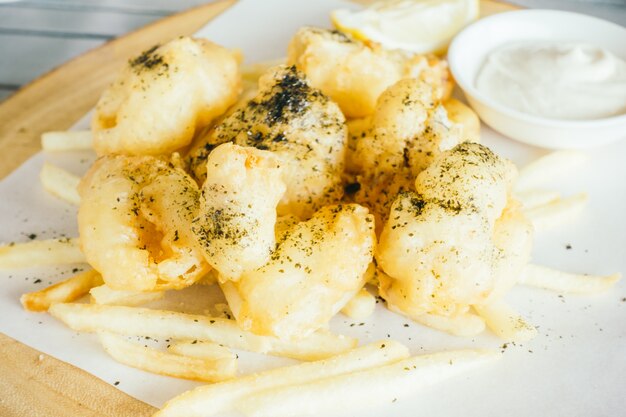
(354, 74)
(305, 130)
(164, 96)
(196, 156)
(235, 225)
(316, 269)
(458, 240)
(134, 222)
(387, 150)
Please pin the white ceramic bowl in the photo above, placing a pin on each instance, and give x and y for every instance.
(471, 46)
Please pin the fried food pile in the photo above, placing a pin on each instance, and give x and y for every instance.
(350, 164)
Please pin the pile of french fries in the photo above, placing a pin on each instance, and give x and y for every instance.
(336, 375)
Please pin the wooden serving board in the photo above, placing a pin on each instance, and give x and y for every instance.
(31, 383)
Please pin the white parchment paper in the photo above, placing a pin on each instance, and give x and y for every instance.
(575, 367)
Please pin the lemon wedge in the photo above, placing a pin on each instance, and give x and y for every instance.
(415, 25)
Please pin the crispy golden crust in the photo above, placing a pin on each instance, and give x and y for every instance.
(354, 74)
(456, 240)
(164, 96)
(134, 222)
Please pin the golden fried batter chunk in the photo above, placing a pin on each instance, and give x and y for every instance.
(458, 239)
(237, 216)
(316, 269)
(408, 129)
(354, 74)
(164, 96)
(302, 127)
(134, 222)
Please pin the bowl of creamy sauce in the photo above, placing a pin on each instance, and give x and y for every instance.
(556, 80)
(549, 78)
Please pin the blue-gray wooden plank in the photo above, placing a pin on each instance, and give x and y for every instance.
(38, 35)
(4, 93)
(161, 7)
(68, 23)
(24, 58)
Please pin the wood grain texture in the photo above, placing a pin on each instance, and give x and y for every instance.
(59, 98)
(32, 384)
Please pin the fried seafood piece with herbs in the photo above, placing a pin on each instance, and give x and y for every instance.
(387, 150)
(315, 270)
(134, 222)
(164, 96)
(458, 240)
(301, 126)
(354, 74)
(196, 155)
(237, 216)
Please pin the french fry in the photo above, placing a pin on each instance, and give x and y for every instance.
(537, 198)
(155, 361)
(205, 350)
(365, 389)
(551, 165)
(60, 183)
(360, 306)
(543, 217)
(505, 322)
(62, 292)
(463, 115)
(67, 140)
(41, 253)
(552, 279)
(214, 399)
(106, 295)
(465, 325)
(174, 325)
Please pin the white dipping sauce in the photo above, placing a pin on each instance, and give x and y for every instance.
(555, 80)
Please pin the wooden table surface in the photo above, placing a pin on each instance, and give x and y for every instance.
(33, 384)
